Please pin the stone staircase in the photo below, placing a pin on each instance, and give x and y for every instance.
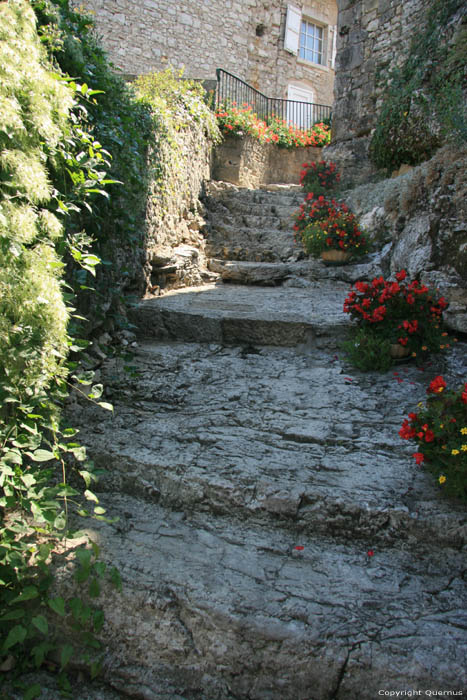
(275, 538)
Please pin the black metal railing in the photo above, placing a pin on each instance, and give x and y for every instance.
(231, 89)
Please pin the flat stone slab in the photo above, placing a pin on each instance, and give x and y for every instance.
(220, 610)
(232, 314)
(292, 438)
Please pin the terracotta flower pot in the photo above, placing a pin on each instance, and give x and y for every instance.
(335, 256)
(399, 351)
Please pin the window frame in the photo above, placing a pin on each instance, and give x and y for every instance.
(307, 23)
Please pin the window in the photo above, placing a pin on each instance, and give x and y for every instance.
(311, 42)
(310, 39)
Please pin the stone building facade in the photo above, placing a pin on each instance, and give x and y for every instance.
(284, 50)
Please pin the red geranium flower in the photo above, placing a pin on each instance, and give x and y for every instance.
(436, 386)
(419, 457)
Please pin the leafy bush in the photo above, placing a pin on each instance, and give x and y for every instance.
(408, 315)
(242, 121)
(440, 431)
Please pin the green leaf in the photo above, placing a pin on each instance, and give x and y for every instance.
(107, 406)
(65, 655)
(41, 455)
(28, 593)
(94, 588)
(12, 457)
(60, 521)
(84, 556)
(16, 635)
(39, 652)
(98, 620)
(57, 605)
(12, 615)
(41, 623)
(32, 692)
(115, 578)
(90, 496)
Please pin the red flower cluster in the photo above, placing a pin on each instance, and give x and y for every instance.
(406, 310)
(410, 429)
(436, 386)
(440, 431)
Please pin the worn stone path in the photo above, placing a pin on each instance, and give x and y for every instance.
(275, 538)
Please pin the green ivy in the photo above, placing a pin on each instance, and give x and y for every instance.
(178, 106)
(423, 105)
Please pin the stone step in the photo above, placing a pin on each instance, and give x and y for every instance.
(280, 437)
(221, 610)
(251, 245)
(260, 221)
(295, 272)
(236, 314)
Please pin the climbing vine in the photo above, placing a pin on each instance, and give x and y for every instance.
(423, 104)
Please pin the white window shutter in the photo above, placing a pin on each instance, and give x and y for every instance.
(333, 42)
(292, 29)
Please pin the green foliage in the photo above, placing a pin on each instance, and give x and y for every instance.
(119, 124)
(51, 168)
(440, 431)
(368, 351)
(423, 105)
(179, 112)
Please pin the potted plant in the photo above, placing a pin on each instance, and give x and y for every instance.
(440, 431)
(319, 177)
(327, 229)
(400, 316)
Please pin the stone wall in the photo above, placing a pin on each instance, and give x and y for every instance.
(373, 35)
(246, 162)
(245, 37)
(174, 216)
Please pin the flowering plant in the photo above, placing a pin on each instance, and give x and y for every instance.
(290, 136)
(407, 314)
(440, 431)
(328, 225)
(242, 120)
(319, 178)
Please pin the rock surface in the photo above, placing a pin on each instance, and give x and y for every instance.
(275, 538)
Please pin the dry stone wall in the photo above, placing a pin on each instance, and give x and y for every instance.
(246, 162)
(373, 35)
(244, 37)
(174, 215)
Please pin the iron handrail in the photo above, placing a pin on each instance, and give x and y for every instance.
(232, 89)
